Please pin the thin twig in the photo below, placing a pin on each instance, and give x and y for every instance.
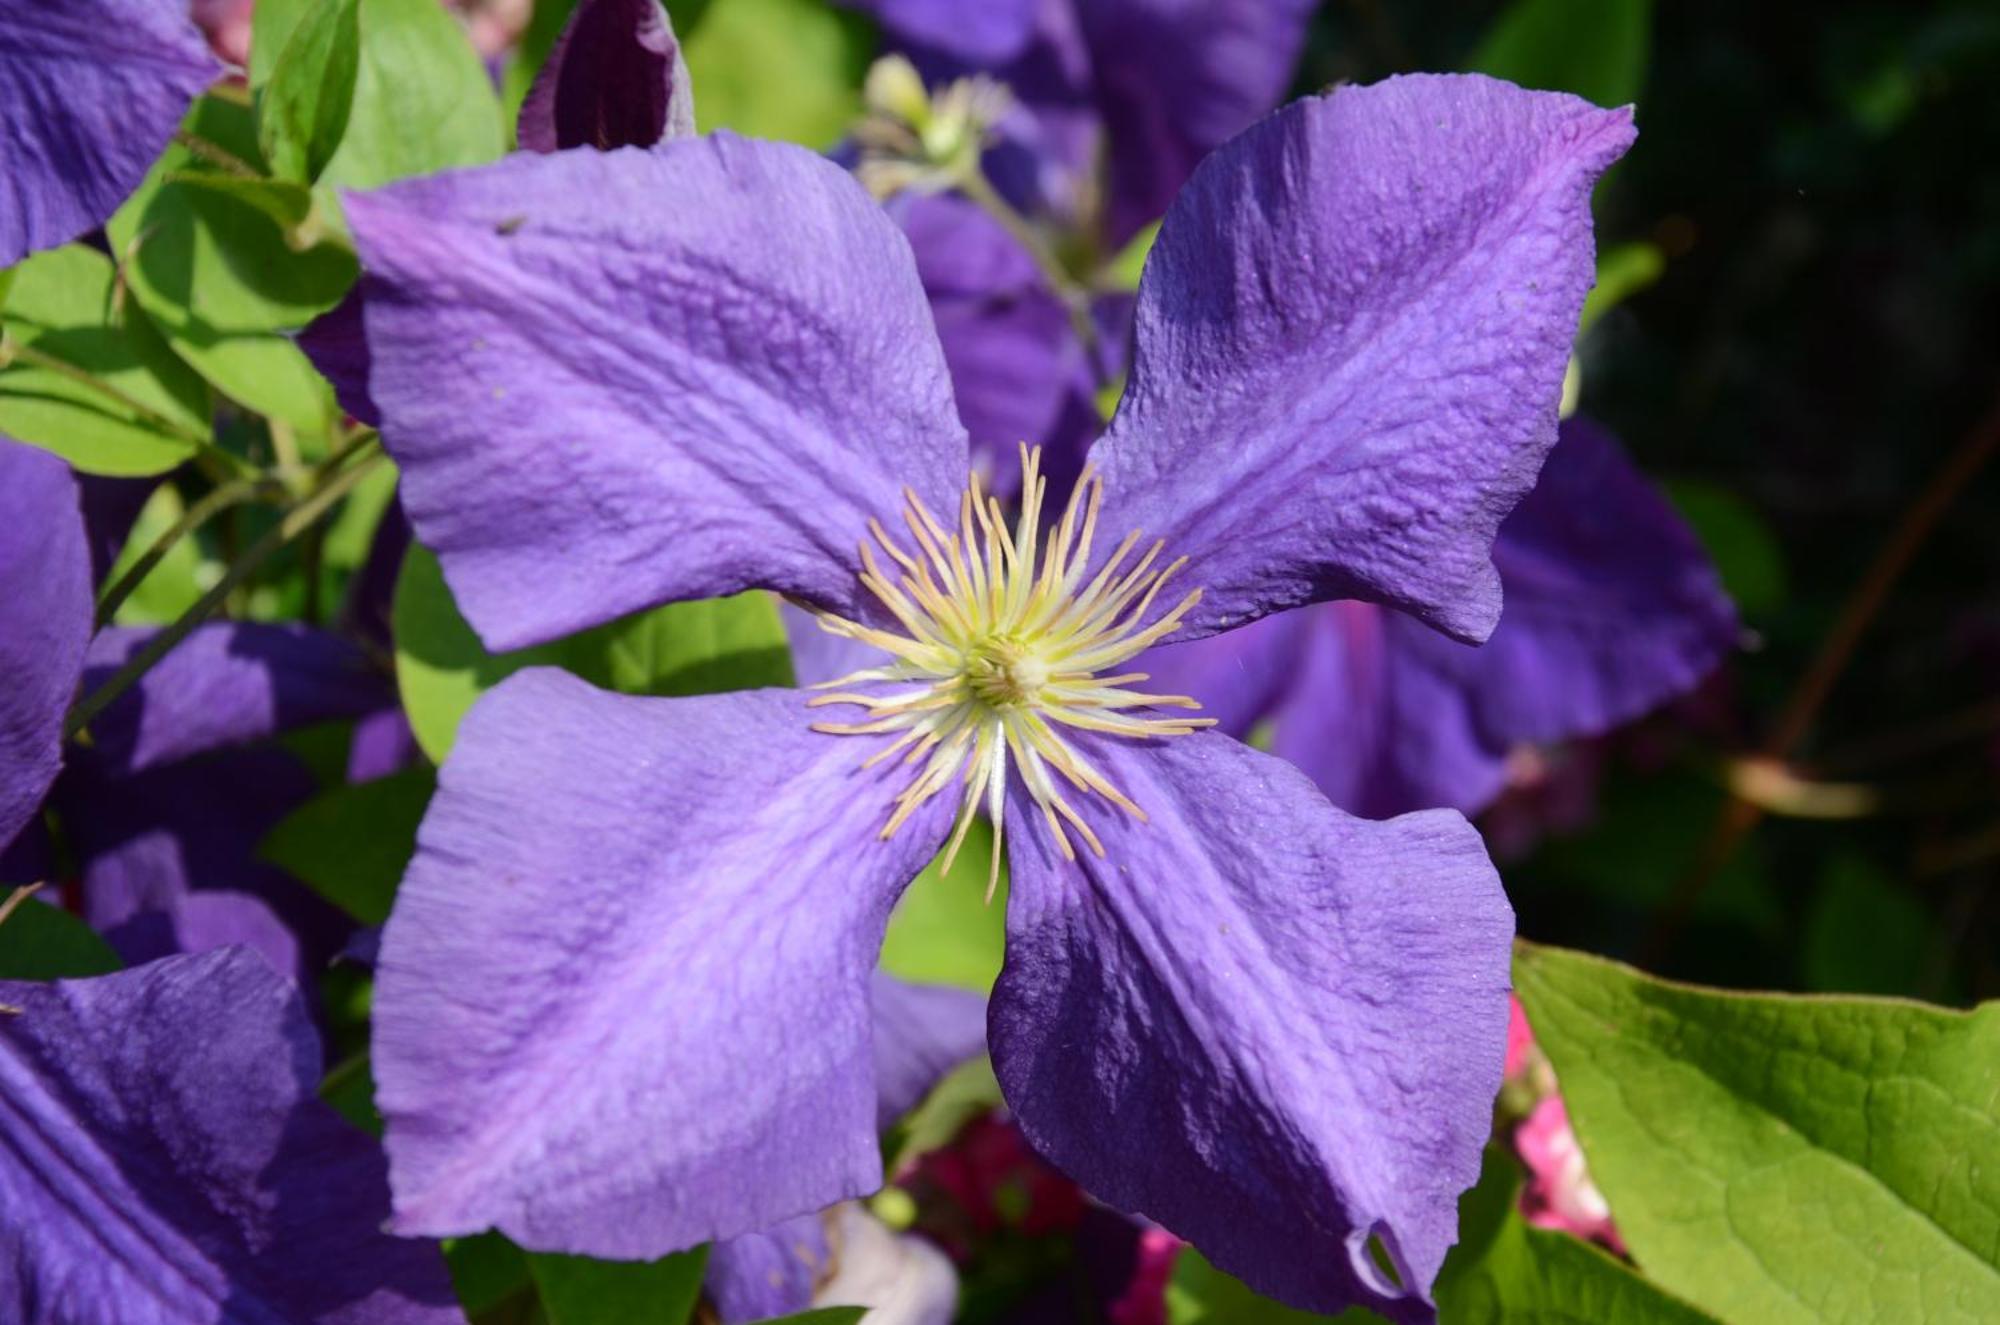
(296, 521)
(217, 155)
(216, 500)
(1738, 817)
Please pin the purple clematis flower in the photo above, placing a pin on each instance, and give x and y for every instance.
(168, 1161)
(90, 92)
(623, 1002)
(44, 623)
(1612, 609)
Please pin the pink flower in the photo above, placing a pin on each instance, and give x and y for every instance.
(1559, 1193)
(1144, 1301)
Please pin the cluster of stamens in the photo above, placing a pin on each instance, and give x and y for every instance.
(1005, 640)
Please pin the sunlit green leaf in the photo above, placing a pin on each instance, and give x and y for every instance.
(788, 69)
(423, 101)
(1595, 48)
(352, 842)
(943, 931)
(1781, 1159)
(681, 649)
(579, 1291)
(63, 305)
(302, 112)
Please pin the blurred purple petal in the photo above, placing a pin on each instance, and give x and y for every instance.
(169, 1160)
(90, 93)
(617, 379)
(1351, 341)
(1275, 1029)
(769, 1273)
(110, 507)
(980, 35)
(1175, 80)
(614, 79)
(226, 684)
(337, 343)
(921, 1033)
(383, 743)
(623, 1002)
(45, 608)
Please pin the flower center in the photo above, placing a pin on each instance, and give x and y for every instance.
(1002, 648)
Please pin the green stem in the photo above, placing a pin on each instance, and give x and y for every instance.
(295, 523)
(1076, 299)
(217, 500)
(217, 155)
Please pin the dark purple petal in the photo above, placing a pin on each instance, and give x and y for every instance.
(371, 595)
(614, 79)
(619, 379)
(770, 1273)
(1175, 80)
(980, 35)
(167, 1160)
(1350, 347)
(90, 92)
(337, 343)
(45, 608)
(226, 684)
(1272, 1028)
(110, 507)
(623, 1001)
(1007, 339)
(921, 1033)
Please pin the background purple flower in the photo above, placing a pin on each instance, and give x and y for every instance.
(90, 92)
(169, 1161)
(1611, 609)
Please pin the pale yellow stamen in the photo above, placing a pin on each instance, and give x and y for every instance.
(1005, 642)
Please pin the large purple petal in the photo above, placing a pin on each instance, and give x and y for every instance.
(1350, 346)
(90, 92)
(226, 684)
(618, 379)
(614, 79)
(44, 622)
(1239, 677)
(1272, 1028)
(623, 1002)
(921, 1033)
(1175, 80)
(167, 1161)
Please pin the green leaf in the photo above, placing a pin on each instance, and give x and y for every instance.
(943, 931)
(1865, 934)
(788, 69)
(350, 1089)
(302, 112)
(422, 99)
(579, 1291)
(269, 35)
(175, 582)
(1123, 271)
(286, 203)
(1781, 1159)
(353, 842)
(965, 1092)
(681, 649)
(1503, 1272)
(1623, 270)
(823, 1316)
(1594, 48)
(486, 1270)
(40, 941)
(63, 305)
(1746, 553)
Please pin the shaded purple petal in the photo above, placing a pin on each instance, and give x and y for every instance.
(769, 1273)
(614, 79)
(1007, 339)
(90, 92)
(980, 35)
(45, 608)
(1272, 1028)
(110, 508)
(371, 595)
(921, 1033)
(226, 684)
(1175, 80)
(623, 1001)
(617, 379)
(337, 343)
(1350, 346)
(148, 842)
(168, 1161)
